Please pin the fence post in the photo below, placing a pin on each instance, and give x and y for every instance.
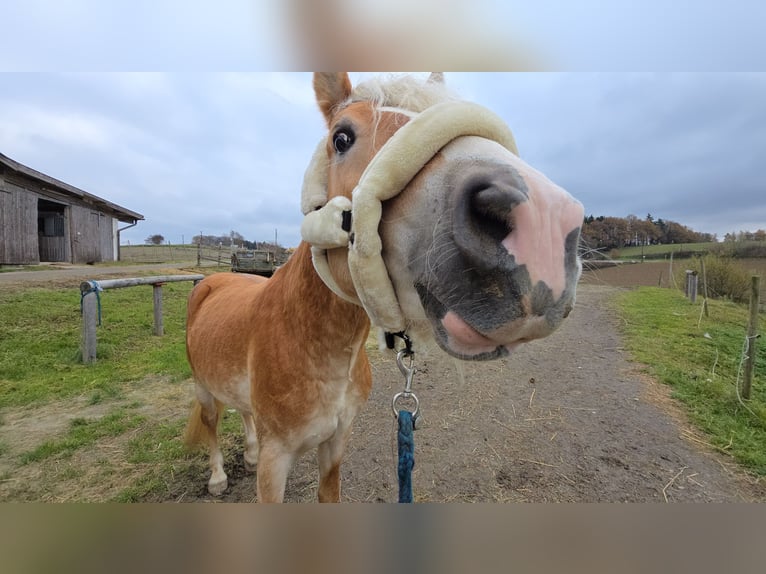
(752, 333)
(671, 277)
(91, 306)
(704, 287)
(690, 287)
(693, 287)
(158, 326)
(89, 320)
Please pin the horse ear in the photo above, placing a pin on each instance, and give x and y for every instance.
(331, 89)
(436, 78)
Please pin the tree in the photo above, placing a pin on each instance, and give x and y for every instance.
(155, 239)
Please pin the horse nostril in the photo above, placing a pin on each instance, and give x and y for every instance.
(483, 215)
(490, 209)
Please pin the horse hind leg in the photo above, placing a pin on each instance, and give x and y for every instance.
(251, 442)
(203, 424)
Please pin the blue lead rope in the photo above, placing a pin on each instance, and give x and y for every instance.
(406, 455)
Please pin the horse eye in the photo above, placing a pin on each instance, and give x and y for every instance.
(342, 140)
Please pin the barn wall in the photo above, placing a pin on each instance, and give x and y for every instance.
(18, 225)
(31, 214)
(91, 234)
(107, 238)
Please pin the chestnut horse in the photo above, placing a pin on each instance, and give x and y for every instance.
(458, 240)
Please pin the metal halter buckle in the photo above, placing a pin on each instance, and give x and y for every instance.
(406, 395)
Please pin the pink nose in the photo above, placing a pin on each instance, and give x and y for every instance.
(518, 210)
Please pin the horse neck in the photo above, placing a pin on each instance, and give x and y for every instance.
(308, 300)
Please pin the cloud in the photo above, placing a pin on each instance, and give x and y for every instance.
(216, 152)
(681, 146)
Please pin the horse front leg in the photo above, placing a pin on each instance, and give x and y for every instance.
(330, 455)
(274, 464)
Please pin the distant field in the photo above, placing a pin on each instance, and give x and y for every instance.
(657, 274)
(652, 273)
(661, 251)
(739, 249)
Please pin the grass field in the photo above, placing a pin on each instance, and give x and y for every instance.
(84, 412)
(174, 254)
(700, 358)
(663, 251)
(40, 371)
(39, 343)
(738, 249)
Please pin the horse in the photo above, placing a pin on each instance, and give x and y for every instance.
(421, 219)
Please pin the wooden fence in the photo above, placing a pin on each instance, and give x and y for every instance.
(192, 254)
(91, 305)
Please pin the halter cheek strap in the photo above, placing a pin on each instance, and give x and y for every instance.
(389, 172)
(328, 228)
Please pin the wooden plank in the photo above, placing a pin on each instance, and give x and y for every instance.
(133, 281)
(752, 334)
(90, 305)
(157, 295)
(89, 320)
(19, 226)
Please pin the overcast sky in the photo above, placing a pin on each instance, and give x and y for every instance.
(220, 152)
(195, 150)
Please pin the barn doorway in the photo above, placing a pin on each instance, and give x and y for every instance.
(51, 230)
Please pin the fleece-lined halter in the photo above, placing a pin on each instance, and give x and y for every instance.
(326, 223)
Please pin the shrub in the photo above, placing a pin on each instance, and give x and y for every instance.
(726, 277)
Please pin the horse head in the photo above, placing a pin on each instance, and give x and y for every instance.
(419, 208)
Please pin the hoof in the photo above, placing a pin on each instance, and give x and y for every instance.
(217, 488)
(250, 466)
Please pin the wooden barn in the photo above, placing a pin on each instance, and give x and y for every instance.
(44, 219)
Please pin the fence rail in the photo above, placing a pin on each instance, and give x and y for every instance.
(91, 305)
(221, 255)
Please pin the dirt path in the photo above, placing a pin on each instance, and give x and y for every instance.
(566, 419)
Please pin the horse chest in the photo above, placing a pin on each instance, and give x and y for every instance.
(336, 390)
(332, 398)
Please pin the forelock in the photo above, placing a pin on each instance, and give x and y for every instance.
(407, 92)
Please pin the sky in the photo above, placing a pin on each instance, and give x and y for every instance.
(197, 149)
(216, 152)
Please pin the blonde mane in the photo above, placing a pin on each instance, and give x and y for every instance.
(406, 92)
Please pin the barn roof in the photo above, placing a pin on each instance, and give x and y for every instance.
(117, 211)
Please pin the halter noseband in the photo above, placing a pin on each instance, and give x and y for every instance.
(389, 172)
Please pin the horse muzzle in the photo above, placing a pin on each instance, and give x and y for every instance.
(502, 263)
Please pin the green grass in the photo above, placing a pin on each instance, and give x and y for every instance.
(659, 251)
(84, 432)
(40, 338)
(700, 363)
(160, 452)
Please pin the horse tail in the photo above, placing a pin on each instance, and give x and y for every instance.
(202, 425)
